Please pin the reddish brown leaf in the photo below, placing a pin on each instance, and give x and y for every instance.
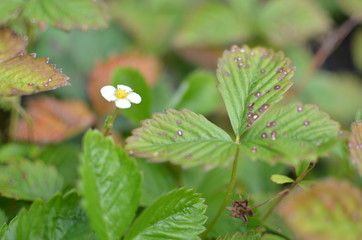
(54, 120)
(149, 66)
(329, 210)
(11, 44)
(355, 145)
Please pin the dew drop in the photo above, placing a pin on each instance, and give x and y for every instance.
(262, 71)
(30, 84)
(45, 84)
(264, 108)
(277, 87)
(50, 79)
(271, 124)
(273, 135)
(180, 133)
(300, 108)
(250, 106)
(306, 123)
(249, 114)
(242, 50)
(254, 117)
(258, 94)
(188, 156)
(240, 65)
(264, 135)
(254, 149)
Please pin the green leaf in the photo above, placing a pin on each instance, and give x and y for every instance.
(197, 93)
(351, 7)
(59, 218)
(3, 217)
(280, 179)
(9, 9)
(329, 210)
(152, 24)
(176, 215)
(291, 134)
(332, 84)
(23, 75)
(65, 158)
(111, 186)
(67, 14)
(250, 235)
(181, 137)
(134, 79)
(28, 180)
(11, 44)
(198, 29)
(250, 81)
(355, 145)
(356, 50)
(17, 151)
(292, 22)
(157, 180)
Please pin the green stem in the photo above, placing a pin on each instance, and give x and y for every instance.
(228, 193)
(285, 192)
(108, 123)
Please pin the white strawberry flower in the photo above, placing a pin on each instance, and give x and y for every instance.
(123, 95)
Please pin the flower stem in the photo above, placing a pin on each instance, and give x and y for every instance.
(227, 195)
(108, 123)
(285, 192)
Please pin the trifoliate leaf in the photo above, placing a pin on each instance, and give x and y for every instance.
(290, 134)
(59, 218)
(181, 137)
(110, 184)
(355, 145)
(329, 210)
(351, 7)
(292, 22)
(280, 179)
(67, 14)
(54, 120)
(23, 75)
(251, 81)
(11, 44)
(197, 87)
(28, 180)
(176, 215)
(133, 79)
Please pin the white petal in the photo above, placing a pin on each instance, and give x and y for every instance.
(125, 88)
(123, 103)
(108, 93)
(134, 98)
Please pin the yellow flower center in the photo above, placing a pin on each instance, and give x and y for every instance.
(120, 94)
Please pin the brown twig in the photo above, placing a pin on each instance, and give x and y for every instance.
(332, 41)
(285, 192)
